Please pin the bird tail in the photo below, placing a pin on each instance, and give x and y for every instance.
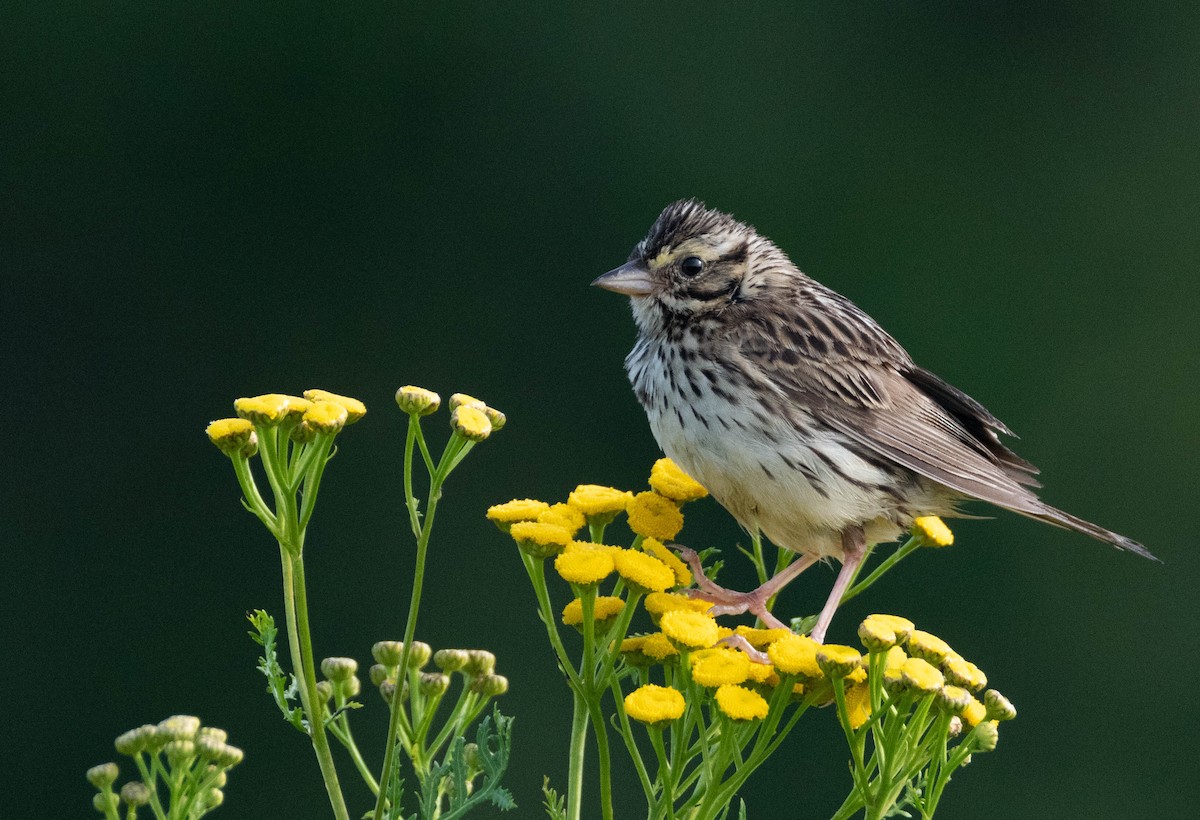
(1059, 518)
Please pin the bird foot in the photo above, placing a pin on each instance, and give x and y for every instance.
(727, 601)
(740, 642)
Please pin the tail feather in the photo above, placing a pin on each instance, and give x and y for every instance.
(1059, 518)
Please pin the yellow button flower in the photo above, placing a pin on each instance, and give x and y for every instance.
(762, 673)
(879, 632)
(691, 629)
(740, 703)
(606, 607)
(654, 516)
(297, 407)
(795, 655)
(758, 638)
(964, 673)
(973, 713)
(497, 418)
(657, 646)
(355, 409)
(719, 666)
(470, 423)
(463, 400)
(654, 705)
(539, 540)
(895, 658)
(667, 479)
(929, 647)
(565, 516)
(838, 661)
(858, 704)
(657, 603)
(643, 572)
(519, 509)
(584, 567)
(417, 400)
(917, 674)
(269, 408)
(326, 417)
(954, 698)
(683, 573)
(933, 531)
(232, 436)
(593, 499)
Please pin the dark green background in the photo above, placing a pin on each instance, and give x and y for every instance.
(207, 200)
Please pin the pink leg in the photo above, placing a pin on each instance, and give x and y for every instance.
(854, 547)
(728, 602)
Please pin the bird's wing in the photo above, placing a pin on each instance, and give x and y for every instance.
(828, 356)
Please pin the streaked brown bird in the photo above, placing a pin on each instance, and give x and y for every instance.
(799, 413)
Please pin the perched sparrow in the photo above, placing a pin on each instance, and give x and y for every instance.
(799, 413)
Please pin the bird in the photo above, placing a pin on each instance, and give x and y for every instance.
(802, 416)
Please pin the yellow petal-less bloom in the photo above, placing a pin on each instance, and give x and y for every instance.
(355, 409)
(519, 509)
(964, 673)
(297, 407)
(919, 675)
(463, 400)
(838, 661)
(269, 408)
(631, 651)
(593, 499)
(326, 417)
(858, 674)
(643, 572)
(654, 516)
(929, 647)
(417, 401)
(879, 632)
(583, 566)
(606, 607)
(740, 703)
(470, 423)
(497, 418)
(954, 698)
(657, 603)
(565, 516)
(973, 713)
(858, 704)
(683, 573)
(762, 673)
(657, 646)
(231, 436)
(758, 638)
(539, 540)
(691, 629)
(933, 531)
(667, 479)
(795, 655)
(654, 705)
(720, 665)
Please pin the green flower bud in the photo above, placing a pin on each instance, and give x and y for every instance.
(480, 662)
(135, 793)
(180, 753)
(417, 400)
(106, 802)
(998, 706)
(388, 653)
(135, 740)
(471, 758)
(350, 687)
(986, 736)
(490, 685)
(324, 691)
(214, 798)
(451, 660)
(302, 433)
(419, 654)
(218, 776)
(339, 669)
(434, 683)
(179, 727)
(230, 756)
(497, 418)
(378, 674)
(387, 690)
(103, 775)
(212, 733)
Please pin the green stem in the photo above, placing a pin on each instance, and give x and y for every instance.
(902, 552)
(630, 744)
(340, 729)
(578, 747)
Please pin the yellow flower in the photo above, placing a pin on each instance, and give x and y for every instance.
(270, 408)
(795, 655)
(606, 607)
(838, 661)
(859, 673)
(740, 703)
(519, 509)
(657, 603)
(919, 675)
(355, 409)
(326, 417)
(539, 540)
(666, 478)
(933, 531)
(973, 713)
(233, 436)
(497, 418)
(654, 705)
(631, 650)
(643, 572)
(929, 647)
(858, 704)
(878, 632)
(593, 499)
(955, 698)
(565, 516)
(470, 423)
(658, 647)
(691, 629)
(417, 400)
(584, 566)
(683, 573)
(758, 638)
(719, 666)
(297, 407)
(762, 673)
(895, 658)
(654, 516)
(964, 673)
(463, 400)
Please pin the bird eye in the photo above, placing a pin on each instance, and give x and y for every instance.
(691, 266)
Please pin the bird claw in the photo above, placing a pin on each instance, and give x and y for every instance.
(740, 642)
(727, 601)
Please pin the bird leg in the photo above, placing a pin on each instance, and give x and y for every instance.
(854, 549)
(727, 602)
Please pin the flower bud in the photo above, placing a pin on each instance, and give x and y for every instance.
(219, 778)
(230, 756)
(387, 690)
(434, 683)
(458, 400)
(355, 409)
(135, 740)
(378, 674)
(388, 652)
(326, 417)
(497, 418)
(472, 758)
(929, 647)
(419, 654)
(470, 423)
(211, 733)
(231, 436)
(135, 793)
(214, 798)
(339, 669)
(986, 736)
(180, 753)
(350, 687)
(838, 661)
(490, 685)
(103, 775)
(270, 408)
(417, 401)
(106, 802)
(324, 691)
(302, 433)
(480, 662)
(451, 660)
(179, 727)
(998, 706)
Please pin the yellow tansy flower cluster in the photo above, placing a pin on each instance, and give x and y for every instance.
(692, 630)
(644, 572)
(604, 608)
(683, 573)
(584, 566)
(933, 531)
(654, 516)
(667, 479)
(594, 499)
(654, 705)
(740, 703)
(719, 666)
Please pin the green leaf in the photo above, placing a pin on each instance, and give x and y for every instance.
(281, 686)
(555, 804)
(450, 777)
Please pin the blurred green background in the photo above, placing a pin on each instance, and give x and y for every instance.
(207, 200)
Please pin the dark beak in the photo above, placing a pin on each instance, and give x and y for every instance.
(631, 279)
